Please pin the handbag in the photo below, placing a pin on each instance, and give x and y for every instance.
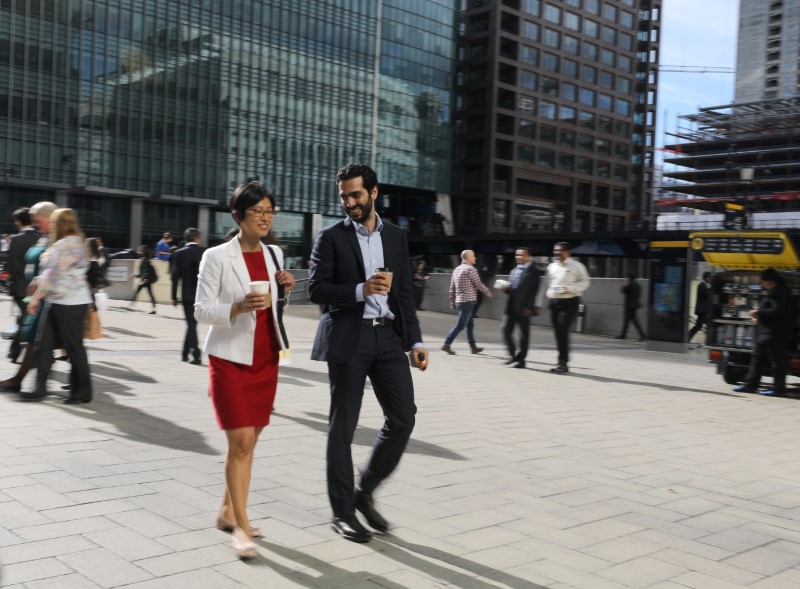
(30, 324)
(281, 300)
(91, 327)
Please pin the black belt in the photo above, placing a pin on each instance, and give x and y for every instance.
(376, 322)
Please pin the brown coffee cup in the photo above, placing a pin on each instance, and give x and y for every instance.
(387, 275)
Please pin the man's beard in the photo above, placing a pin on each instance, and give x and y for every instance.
(366, 211)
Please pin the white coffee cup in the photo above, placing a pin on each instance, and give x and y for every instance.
(259, 286)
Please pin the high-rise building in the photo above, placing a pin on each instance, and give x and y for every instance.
(768, 55)
(143, 114)
(557, 114)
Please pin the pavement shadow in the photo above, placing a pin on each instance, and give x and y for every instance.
(324, 573)
(128, 332)
(365, 436)
(114, 370)
(426, 558)
(304, 374)
(137, 426)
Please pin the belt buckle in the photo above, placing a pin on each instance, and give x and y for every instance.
(377, 322)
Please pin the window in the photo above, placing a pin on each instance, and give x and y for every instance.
(607, 57)
(569, 91)
(623, 107)
(526, 104)
(587, 97)
(566, 138)
(547, 110)
(530, 55)
(586, 143)
(585, 165)
(605, 102)
(533, 7)
(568, 115)
(552, 14)
(624, 63)
(587, 120)
(591, 28)
(609, 35)
(526, 153)
(572, 21)
(527, 129)
(603, 169)
(550, 86)
(550, 62)
(589, 74)
(609, 12)
(626, 19)
(530, 30)
(623, 85)
(603, 146)
(566, 162)
(590, 51)
(607, 80)
(547, 158)
(621, 150)
(547, 134)
(527, 80)
(571, 44)
(552, 38)
(622, 129)
(592, 6)
(569, 68)
(604, 125)
(626, 41)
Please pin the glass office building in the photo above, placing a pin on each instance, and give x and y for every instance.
(144, 114)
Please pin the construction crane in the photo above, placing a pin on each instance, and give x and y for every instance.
(696, 69)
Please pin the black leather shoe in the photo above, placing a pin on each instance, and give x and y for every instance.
(519, 365)
(73, 401)
(351, 529)
(511, 361)
(196, 362)
(560, 369)
(366, 506)
(32, 396)
(184, 358)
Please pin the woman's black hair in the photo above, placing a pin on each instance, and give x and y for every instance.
(246, 195)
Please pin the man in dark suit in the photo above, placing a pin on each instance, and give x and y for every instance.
(185, 268)
(701, 304)
(521, 306)
(20, 244)
(368, 324)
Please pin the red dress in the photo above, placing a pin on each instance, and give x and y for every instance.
(243, 395)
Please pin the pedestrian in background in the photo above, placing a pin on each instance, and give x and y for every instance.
(26, 237)
(632, 292)
(63, 288)
(486, 276)
(243, 345)
(185, 269)
(522, 304)
(164, 247)
(774, 328)
(464, 286)
(147, 276)
(567, 279)
(701, 304)
(420, 279)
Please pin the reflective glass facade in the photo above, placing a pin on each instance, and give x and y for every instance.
(174, 103)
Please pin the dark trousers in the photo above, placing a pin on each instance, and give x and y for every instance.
(190, 345)
(630, 316)
(379, 355)
(701, 320)
(16, 347)
(562, 314)
(419, 293)
(511, 321)
(149, 291)
(768, 352)
(64, 323)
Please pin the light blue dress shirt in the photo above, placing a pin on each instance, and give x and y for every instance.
(372, 252)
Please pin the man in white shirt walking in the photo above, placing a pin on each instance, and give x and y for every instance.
(566, 280)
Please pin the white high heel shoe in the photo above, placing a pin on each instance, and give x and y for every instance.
(242, 546)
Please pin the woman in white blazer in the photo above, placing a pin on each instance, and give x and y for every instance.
(243, 345)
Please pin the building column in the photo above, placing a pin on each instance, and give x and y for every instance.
(61, 199)
(137, 212)
(203, 223)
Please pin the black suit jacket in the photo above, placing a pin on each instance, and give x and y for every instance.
(185, 268)
(20, 244)
(337, 266)
(524, 296)
(775, 315)
(701, 301)
(631, 292)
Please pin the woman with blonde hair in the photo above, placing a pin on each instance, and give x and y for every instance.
(63, 288)
(243, 344)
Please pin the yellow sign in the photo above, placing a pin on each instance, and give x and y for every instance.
(746, 250)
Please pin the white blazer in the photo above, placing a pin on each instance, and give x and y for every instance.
(223, 281)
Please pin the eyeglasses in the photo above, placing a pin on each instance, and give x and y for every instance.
(263, 212)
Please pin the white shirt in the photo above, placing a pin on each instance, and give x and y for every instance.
(566, 280)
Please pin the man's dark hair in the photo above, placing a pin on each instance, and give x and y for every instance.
(524, 249)
(369, 179)
(22, 216)
(191, 234)
(706, 275)
(631, 276)
(564, 245)
(167, 235)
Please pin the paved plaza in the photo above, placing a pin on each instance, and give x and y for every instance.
(637, 470)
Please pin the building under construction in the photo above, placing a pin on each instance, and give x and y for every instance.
(739, 154)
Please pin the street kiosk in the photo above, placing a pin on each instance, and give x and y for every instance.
(736, 289)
